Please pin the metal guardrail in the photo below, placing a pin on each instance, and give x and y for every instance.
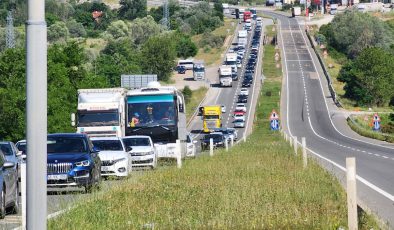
(326, 74)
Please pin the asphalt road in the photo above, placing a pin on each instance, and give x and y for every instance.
(308, 111)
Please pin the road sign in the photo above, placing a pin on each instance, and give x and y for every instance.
(376, 122)
(274, 120)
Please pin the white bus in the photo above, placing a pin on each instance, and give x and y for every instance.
(188, 64)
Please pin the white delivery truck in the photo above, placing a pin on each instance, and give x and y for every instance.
(296, 11)
(225, 76)
(231, 60)
(101, 112)
(198, 70)
(242, 34)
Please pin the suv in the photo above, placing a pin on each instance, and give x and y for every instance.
(115, 161)
(8, 185)
(218, 140)
(143, 152)
(72, 161)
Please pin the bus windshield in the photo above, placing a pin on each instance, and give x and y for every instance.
(98, 118)
(211, 117)
(151, 110)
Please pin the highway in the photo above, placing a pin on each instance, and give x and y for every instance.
(58, 201)
(308, 111)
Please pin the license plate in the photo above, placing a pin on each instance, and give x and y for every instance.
(57, 177)
(106, 168)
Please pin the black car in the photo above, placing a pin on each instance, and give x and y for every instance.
(218, 140)
(8, 185)
(242, 99)
(246, 84)
(72, 161)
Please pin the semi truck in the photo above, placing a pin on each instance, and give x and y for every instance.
(100, 112)
(231, 60)
(198, 70)
(225, 76)
(159, 112)
(212, 118)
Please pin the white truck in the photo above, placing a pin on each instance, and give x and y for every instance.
(231, 60)
(225, 76)
(296, 11)
(198, 70)
(242, 38)
(101, 112)
(242, 34)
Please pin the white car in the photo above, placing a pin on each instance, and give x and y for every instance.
(223, 108)
(240, 106)
(142, 151)
(239, 117)
(115, 161)
(244, 91)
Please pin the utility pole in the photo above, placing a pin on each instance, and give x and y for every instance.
(10, 33)
(166, 15)
(36, 122)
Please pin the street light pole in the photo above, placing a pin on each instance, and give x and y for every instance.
(36, 107)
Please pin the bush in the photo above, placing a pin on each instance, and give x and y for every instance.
(209, 39)
(187, 93)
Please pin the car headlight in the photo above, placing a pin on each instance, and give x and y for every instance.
(149, 153)
(82, 163)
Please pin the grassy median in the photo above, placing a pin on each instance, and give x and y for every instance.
(259, 184)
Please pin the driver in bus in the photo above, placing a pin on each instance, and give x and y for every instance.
(135, 120)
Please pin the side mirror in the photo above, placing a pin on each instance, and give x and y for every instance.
(129, 148)
(19, 153)
(194, 142)
(8, 164)
(95, 149)
(24, 156)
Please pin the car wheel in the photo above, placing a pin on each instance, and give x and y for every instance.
(15, 206)
(2, 208)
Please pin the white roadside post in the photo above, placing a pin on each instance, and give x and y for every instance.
(351, 193)
(210, 147)
(232, 141)
(244, 138)
(226, 145)
(285, 134)
(295, 145)
(194, 150)
(179, 155)
(23, 194)
(291, 141)
(304, 155)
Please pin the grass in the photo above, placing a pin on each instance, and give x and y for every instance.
(214, 55)
(197, 97)
(362, 125)
(259, 184)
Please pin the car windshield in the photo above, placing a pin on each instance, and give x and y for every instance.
(108, 145)
(66, 145)
(238, 120)
(21, 146)
(136, 142)
(6, 148)
(215, 137)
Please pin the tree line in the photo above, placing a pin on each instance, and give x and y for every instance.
(364, 45)
(134, 42)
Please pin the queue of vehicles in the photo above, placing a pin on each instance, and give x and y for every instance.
(211, 115)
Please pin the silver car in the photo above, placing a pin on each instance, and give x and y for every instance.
(238, 123)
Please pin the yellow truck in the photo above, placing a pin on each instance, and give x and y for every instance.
(211, 117)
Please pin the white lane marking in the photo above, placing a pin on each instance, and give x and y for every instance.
(385, 157)
(367, 183)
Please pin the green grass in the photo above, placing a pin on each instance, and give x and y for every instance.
(213, 56)
(362, 125)
(197, 96)
(259, 184)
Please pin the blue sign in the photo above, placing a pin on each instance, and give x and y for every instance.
(274, 124)
(376, 125)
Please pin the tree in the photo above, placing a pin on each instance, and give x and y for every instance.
(118, 29)
(185, 47)
(58, 32)
(132, 9)
(370, 78)
(75, 28)
(353, 31)
(144, 28)
(158, 56)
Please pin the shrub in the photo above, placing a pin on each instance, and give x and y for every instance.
(209, 39)
(187, 93)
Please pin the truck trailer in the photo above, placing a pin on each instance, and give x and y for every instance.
(100, 112)
(225, 76)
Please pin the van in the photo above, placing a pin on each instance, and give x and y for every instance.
(188, 64)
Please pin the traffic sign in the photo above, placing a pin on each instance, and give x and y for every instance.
(376, 122)
(274, 120)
